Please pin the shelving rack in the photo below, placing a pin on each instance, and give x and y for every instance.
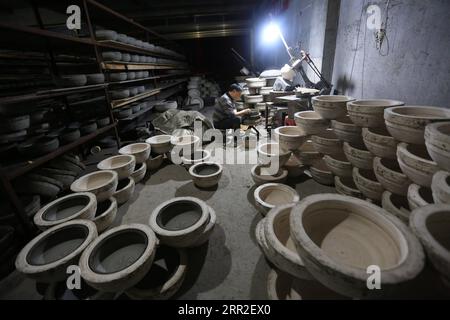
(40, 39)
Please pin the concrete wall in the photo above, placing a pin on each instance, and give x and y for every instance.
(415, 68)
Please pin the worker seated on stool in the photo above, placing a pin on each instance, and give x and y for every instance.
(225, 114)
(285, 82)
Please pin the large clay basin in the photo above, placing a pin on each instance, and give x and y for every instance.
(270, 195)
(206, 174)
(180, 222)
(339, 165)
(419, 196)
(262, 174)
(321, 173)
(139, 172)
(307, 154)
(46, 257)
(184, 145)
(73, 206)
(380, 143)
(358, 156)
(416, 163)
(331, 107)
(141, 151)
(367, 183)
(396, 205)
(407, 124)
(311, 122)
(440, 187)
(118, 259)
(155, 162)
(272, 153)
(105, 214)
(339, 237)
(196, 157)
(390, 176)
(346, 130)
(125, 190)
(327, 142)
(160, 144)
(101, 183)
(290, 138)
(347, 187)
(370, 113)
(123, 165)
(437, 140)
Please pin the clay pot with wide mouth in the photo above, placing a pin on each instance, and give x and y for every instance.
(154, 162)
(419, 196)
(307, 154)
(255, 82)
(180, 222)
(379, 142)
(165, 277)
(139, 172)
(46, 257)
(370, 113)
(120, 258)
(271, 153)
(327, 143)
(206, 174)
(270, 195)
(431, 225)
(416, 163)
(73, 206)
(396, 205)
(261, 238)
(105, 214)
(160, 144)
(123, 165)
(141, 151)
(407, 124)
(339, 237)
(290, 138)
(367, 183)
(101, 183)
(347, 131)
(264, 174)
(281, 249)
(125, 190)
(437, 140)
(440, 187)
(311, 122)
(321, 173)
(331, 107)
(196, 157)
(209, 229)
(339, 165)
(347, 187)
(358, 156)
(390, 175)
(184, 145)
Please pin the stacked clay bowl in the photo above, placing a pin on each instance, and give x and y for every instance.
(160, 144)
(347, 131)
(437, 140)
(367, 183)
(419, 196)
(321, 173)
(379, 142)
(440, 187)
(290, 138)
(370, 113)
(327, 142)
(310, 122)
(390, 176)
(265, 174)
(396, 205)
(272, 153)
(331, 107)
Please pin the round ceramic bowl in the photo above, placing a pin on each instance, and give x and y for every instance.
(46, 257)
(160, 144)
(125, 190)
(206, 174)
(431, 225)
(153, 163)
(196, 157)
(139, 172)
(270, 195)
(311, 122)
(367, 183)
(396, 205)
(339, 165)
(407, 124)
(331, 107)
(73, 206)
(265, 174)
(437, 140)
(347, 131)
(179, 222)
(101, 183)
(440, 187)
(272, 154)
(379, 142)
(118, 259)
(340, 237)
(347, 187)
(416, 163)
(370, 113)
(358, 156)
(281, 249)
(255, 98)
(327, 143)
(321, 173)
(419, 196)
(289, 138)
(123, 165)
(105, 214)
(141, 151)
(307, 154)
(207, 232)
(165, 277)
(390, 176)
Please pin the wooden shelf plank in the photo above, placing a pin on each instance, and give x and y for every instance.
(123, 102)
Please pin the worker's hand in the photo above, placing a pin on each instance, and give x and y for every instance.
(247, 111)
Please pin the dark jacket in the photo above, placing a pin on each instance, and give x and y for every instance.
(224, 108)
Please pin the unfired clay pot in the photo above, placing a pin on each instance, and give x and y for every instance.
(390, 175)
(255, 82)
(141, 151)
(139, 172)
(290, 138)
(254, 98)
(160, 144)
(123, 165)
(347, 187)
(431, 225)
(346, 130)
(269, 153)
(370, 113)
(416, 163)
(307, 154)
(419, 196)
(46, 257)
(184, 145)
(331, 107)
(441, 187)
(368, 184)
(339, 165)
(311, 122)
(118, 259)
(101, 183)
(196, 157)
(396, 205)
(321, 173)
(327, 143)
(206, 174)
(379, 142)
(125, 190)
(407, 124)
(339, 237)
(73, 206)
(437, 140)
(154, 163)
(263, 174)
(270, 195)
(105, 214)
(358, 156)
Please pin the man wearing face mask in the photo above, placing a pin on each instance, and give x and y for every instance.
(285, 82)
